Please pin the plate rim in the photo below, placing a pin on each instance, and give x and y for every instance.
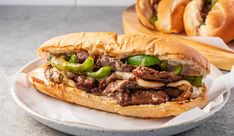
(96, 128)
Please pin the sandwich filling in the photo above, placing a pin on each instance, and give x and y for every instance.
(135, 80)
(207, 8)
(154, 7)
(149, 10)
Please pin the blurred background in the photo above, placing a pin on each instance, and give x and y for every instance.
(68, 2)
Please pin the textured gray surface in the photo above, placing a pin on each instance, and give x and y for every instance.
(23, 29)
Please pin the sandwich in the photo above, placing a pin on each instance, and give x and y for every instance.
(131, 75)
(162, 15)
(210, 18)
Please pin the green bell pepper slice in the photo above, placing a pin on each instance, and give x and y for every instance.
(195, 80)
(164, 65)
(61, 64)
(153, 19)
(198, 81)
(212, 2)
(178, 69)
(145, 60)
(63, 56)
(73, 58)
(190, 79)
(102, 72)
(209, 1)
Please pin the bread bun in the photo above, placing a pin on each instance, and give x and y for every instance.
(144, 13)
(169, 13)
(74, 95)
(218, 23)
(122, 46)
(170, 16)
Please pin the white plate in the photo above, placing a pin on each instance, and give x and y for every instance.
(82, 129)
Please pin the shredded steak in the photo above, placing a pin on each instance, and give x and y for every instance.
(148, 97)
(124, 97)
(85, 83)
(138, 82)
(115, 76)
(154, 75)
(205, 11)
(126, 93)
(82, 55)
(114, 87)
(173, 92)
(185, 87)
(116, 64)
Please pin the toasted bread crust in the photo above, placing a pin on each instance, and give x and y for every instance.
(122, 46)
(170, 15)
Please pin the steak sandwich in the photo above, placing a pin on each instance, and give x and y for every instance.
(132, 75)
(210, 18)
(162, 15)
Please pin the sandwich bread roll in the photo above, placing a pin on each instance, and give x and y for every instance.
(136, 95)
(162, 15)
(210, 18)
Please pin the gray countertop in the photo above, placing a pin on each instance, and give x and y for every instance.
(23, 29)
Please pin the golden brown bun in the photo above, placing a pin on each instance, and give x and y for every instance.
(192, 17)
(122, 46)
(74, 95)
(219, 22)
(169, 13)
(144, 13)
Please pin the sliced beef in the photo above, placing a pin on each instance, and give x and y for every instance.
(173, 92)
(116, 64)
(150, 74)
(206, 9)
(85, 83)
(185, 87)
(125, 67)
(126, 93)
(124, 98)
(148, 97)
(103, 83)
(82, 55)
(155, 6)
(95, 90)
(153, 2)
(114, 87)
(115, 76)
(136, 83)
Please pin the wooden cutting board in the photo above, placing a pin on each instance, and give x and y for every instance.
(223, 59)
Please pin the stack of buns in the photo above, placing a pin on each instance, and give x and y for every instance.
(197, 17)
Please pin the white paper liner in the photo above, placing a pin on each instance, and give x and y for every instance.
(62, 111)
(213, 41)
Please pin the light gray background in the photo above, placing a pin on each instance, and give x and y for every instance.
(23, 29)
(69, 2)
